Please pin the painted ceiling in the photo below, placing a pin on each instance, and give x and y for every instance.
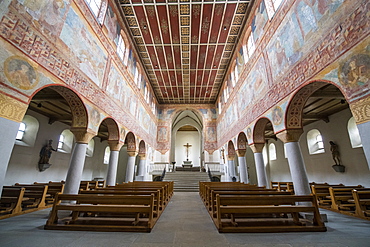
(185, 46)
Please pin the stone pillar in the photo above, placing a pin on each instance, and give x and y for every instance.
(114, 146)
(260, 165)
(130, 171)
(77, 161)
(295, 160)
(141, 167)
(242, 166)
(8, 132)
(231, 166)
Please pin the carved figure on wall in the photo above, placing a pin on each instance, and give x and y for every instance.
(335, 152)
(45, 152)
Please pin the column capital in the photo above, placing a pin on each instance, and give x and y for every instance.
(132, 153)
(83, 135)
(230, 156)
(291, 135)
(142, 156)
(241, 152)
(257, 147)
(115, 145)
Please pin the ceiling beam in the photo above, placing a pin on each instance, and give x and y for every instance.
(315, 117)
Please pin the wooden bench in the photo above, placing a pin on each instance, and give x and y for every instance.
(266, 213)
(158, 206)
(89, 185)
(133, 213)
(339, 197)
(53, 189)
(322, 193)
(11, 201)
(36, 195)
(282, 186)
(361, 199)
(212, 204)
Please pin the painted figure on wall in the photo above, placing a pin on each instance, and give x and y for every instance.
(356, 71)
(20, 73)
(277, 115)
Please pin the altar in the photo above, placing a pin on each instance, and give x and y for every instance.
(187, 164)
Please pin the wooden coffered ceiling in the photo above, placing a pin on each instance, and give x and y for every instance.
(185, 46)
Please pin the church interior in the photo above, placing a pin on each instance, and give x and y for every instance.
(189, 95)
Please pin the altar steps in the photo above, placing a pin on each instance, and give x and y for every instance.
(186, 181)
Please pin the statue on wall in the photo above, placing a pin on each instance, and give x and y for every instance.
(335, 152)
(45, 155)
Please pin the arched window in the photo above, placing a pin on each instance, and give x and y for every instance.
(265, 156)
(97, 9)
(121, 48)
(90, 148)
(21, 130)
(272, 6)
(27, 131)
(353, 133)
(65, 142)
(106, 155)
(315, 142)
(272, 151)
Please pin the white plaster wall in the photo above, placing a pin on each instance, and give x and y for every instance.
(318, 166)
(23, 164)
(191, 137)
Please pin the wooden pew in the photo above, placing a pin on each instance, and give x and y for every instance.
(53, 189)
(89, 185)
(158, 207)
(243, 213)
(361, 198)
(36, 195)
(339, 198)
(103, 213)
(212, 209)
(11, 201)
(322, 193)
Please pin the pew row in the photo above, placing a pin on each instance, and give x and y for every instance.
(266, 213)
(35, 194)
(11, 201)
(361, 200)
(94, 212)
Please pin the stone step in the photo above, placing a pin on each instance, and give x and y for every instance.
(185, 181)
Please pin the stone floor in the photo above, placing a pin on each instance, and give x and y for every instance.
(185, 222)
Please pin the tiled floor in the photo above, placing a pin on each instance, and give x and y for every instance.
(185, 222)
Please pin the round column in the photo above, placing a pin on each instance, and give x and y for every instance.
(114, 146)
(130, 171)
(77, 161)
(295, 160)
(141, 166)
(243, 172)
(260, 165)
(231, 166)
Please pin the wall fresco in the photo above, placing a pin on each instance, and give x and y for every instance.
(91, 58)
(259, 21)
(111, 23)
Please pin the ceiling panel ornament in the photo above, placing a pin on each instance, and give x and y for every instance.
(185, 46)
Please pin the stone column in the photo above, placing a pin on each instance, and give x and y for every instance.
(295, 160)
(77, 161)
(141, 167)
(114, 146)
(231, 166)
(242, 166)
(130, 171)
(260, 166)
(8, 132)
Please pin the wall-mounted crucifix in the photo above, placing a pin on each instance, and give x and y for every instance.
(187, 151)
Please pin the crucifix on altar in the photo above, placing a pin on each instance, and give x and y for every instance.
(187, 163)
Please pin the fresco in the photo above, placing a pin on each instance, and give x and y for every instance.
(49, 14)
(259, 21)
(240, 61)
(211, 134)
(20, 73)
(111, 23)
(91, 59)
(116, 84)
(162, 134)
(284, 50)
(255, 86)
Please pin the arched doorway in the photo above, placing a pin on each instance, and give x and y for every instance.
(187, 139)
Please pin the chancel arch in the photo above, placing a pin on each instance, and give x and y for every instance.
(187, 139)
